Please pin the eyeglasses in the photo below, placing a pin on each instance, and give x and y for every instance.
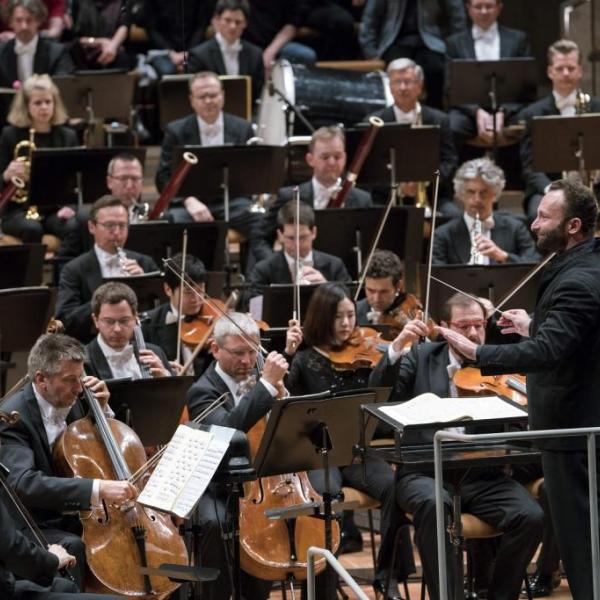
(123, 321)
(126, 178)
(466, 325)
(207, 96)
(111, 225)
(483, 7)
(403, 82)
(250, 352)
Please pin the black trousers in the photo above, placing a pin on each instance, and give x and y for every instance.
(74, 545)
(30, 231)
(61, 589)
(565, 478)
(494, 498)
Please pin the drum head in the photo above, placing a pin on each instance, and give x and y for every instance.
(272, 115)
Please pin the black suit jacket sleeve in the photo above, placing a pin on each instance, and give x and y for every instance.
(525, 246)
(170, 141)
(399, 376)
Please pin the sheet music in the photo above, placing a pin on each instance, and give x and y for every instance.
(430, 408)
(184, 471)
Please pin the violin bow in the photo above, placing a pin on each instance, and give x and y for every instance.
(181, 282)
(296, 302)
(431, 239)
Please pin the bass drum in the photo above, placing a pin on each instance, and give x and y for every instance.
(325, 97)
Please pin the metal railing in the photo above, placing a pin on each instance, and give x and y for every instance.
(440, 436)
(335, 563)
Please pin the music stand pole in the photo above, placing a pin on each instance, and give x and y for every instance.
(393, 179)
(494, 106)
(225, 186)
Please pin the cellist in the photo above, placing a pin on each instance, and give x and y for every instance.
(46, 404)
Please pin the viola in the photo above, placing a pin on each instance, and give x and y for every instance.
(470, 382)
(363, 350)
(410, 308)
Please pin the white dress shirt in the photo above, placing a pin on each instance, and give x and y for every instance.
(486, 230)
(230, 53)
(212, 134)
(25, 56)
(186, 351)
(110, 265)
(407, 118)
(122, 363)
(487, 42)
(565, 104)
(237, 389)
(321, 194)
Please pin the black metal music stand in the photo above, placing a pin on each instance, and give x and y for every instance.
(173, 97)
(579, 147)
(21, 266)
(151, 407)
(355, 230)
(161, 240)
(493, 282)
(72, 175)
(491, 83)
(148, 289)
(18, 334)
(278, 302)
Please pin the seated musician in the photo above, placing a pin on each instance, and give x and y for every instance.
(113, 353)
(328, 326)
(159, 325)
(565, 72)
(280, 267)
(37, 115)
(227, 53)
(487, 493)
(385, 299)
(124, 179)
(484, 40)
(482, 236)
(234, 366)
(108, 224)
(406, 84)
(326, 157)
(47, 404)
(209, 126)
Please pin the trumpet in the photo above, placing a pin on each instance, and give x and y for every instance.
(22, 153)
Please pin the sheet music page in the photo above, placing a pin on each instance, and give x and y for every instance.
(430, 408)
(184, 471)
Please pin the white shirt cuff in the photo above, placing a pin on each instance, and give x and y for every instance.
(393, 356)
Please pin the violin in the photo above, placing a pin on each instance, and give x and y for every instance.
(198, 329)
(470, 382)
(410, 308)
(363, 350)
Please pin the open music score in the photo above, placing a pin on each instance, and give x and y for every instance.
(430, 408)
(185, 470)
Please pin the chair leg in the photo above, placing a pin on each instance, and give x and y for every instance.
(423, 587)
(372, 536)
(406, 592)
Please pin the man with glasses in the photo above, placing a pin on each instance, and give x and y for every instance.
(498, 237)
(108, 225)
(487, 493)
(406, 84)
(112, 354)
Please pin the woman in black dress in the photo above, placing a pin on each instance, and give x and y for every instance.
(38, 114)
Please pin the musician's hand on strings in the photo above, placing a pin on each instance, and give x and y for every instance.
(489, 248)
(65, 213)
(99, 388)
(65, 560)
(131, 267)
(151, 360)
(275, 368)
(293, 337)
(117, 492)
(412, 331)
(515, 320)
(311, 275)
(176, 367)
(198, 210)
(464, 346)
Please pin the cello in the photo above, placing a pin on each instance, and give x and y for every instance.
(118, 540)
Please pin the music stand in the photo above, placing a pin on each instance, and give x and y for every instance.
(355, 230)
(72, 175)
(579, 148)
(21, 266)
(278, 302)
(493, 282)
(173, 97)
(148, 289)
(161, 240)
(151, 407)
(492, 83)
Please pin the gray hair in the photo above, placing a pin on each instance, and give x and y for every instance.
(50, 351)
(482, 168)
(224, 327)
(401, 64)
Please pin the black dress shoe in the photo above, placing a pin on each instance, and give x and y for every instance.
(542, 585)
(350, 541)
(379, 587)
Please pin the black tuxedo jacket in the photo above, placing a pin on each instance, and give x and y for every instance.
(208, 57)
(275, 270)
(536, 181)
(448, 158)
(561, 358)
(25, 451)
(79, 279)
(185, 132)
(357, 198)
(452, 242)
(50, 57)
(97, 365)
(251, 407)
